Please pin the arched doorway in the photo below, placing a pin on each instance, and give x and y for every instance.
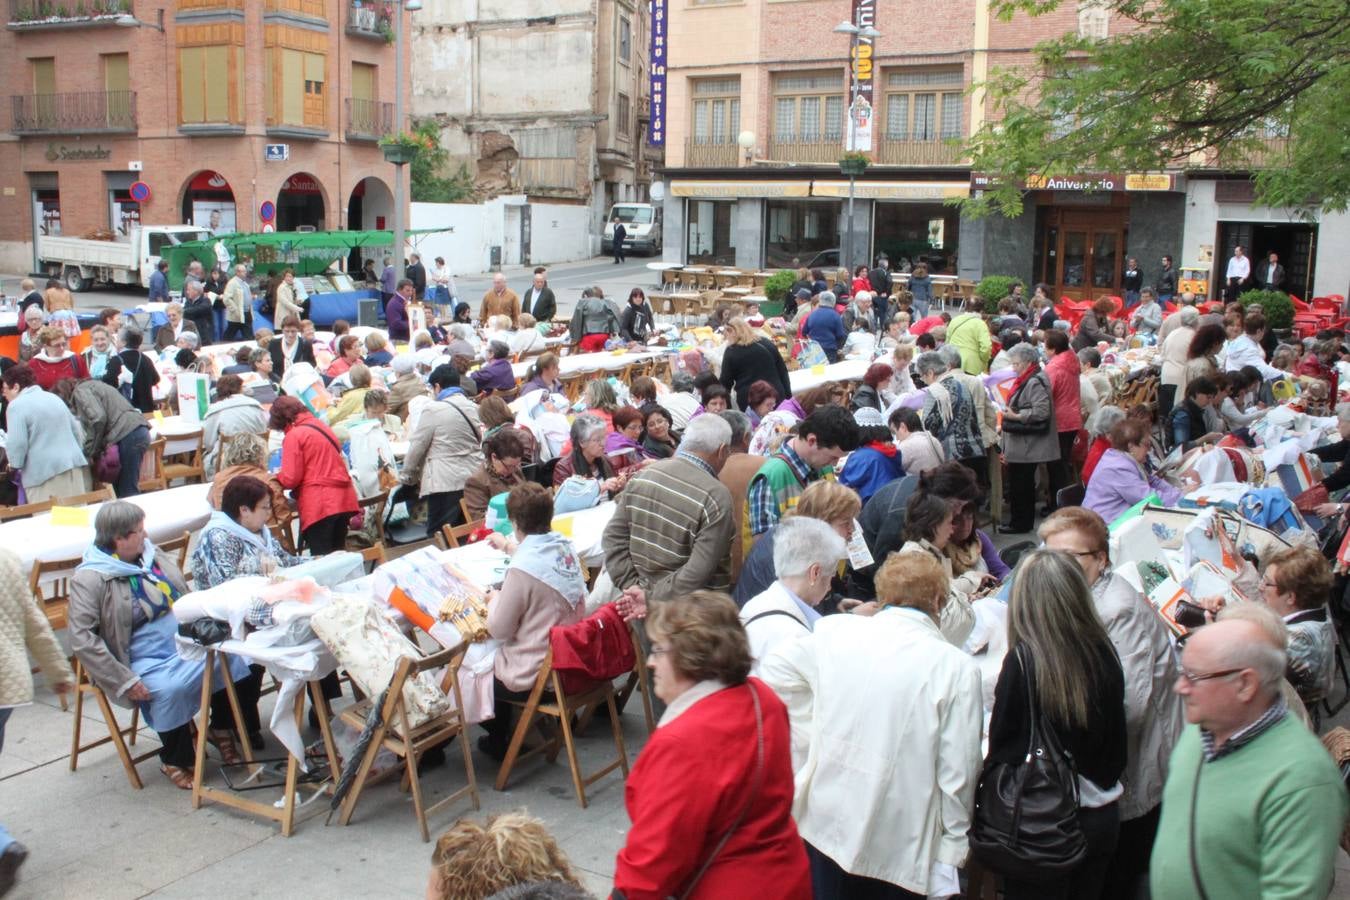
(370, 208)
(208, 202)
(300, 203)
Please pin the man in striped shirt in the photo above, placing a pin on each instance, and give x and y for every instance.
(671, 533)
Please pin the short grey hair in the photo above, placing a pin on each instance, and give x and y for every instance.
(192, 338)
(861, 296)
(739, 422)
(174, 305)
(1104, 419)
(585, 427)
(826, 298)
(950, 355)
(116, 519)
(1269, 657)
(930, 363)
(1189, 315)
(258, 356)
(800, 542)
(706, 434)
(461, 331)
(1024, 353)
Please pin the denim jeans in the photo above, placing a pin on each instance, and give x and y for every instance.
(131, 450)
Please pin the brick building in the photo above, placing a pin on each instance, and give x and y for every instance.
(186, 97)
(757, 120)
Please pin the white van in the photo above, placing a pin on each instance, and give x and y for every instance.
(642, 221)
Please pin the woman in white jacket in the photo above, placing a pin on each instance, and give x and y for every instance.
(805, 553)
(884, 788)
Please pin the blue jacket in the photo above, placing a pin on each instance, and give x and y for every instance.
(43, 438)
(869, 470)
(826, 328)
(159, 287)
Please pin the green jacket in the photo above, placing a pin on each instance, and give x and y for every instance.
(1267, 819)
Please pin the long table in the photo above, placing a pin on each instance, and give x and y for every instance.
(580, 362)
(847, 370)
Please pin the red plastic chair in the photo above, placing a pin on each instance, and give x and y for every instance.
(1299, 305)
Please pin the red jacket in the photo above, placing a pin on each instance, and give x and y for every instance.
(49, 372)
(1310, 366)
(1065, 371)
(314, 470)
(687, 788)
(1094, 454)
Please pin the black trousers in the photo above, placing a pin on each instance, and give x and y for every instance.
(1060, 474)
(1022, 495)
(443, 509)
(502, 724)
(177, 748)
(1087, 881)
(1167, 398)
(1127, 875)
(237, 331)
(326, 535)
(618, 251)
(830, 882)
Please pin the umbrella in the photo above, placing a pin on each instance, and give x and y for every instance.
(374, 719)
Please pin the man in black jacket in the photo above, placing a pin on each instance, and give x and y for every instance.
(417, 274)
(1166, 282)
(1270, 274)
(538, 301)
(620, 235)
(289, 347)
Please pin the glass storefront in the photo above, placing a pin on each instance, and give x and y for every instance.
(801, 233)
(710, 237)
(910, 233)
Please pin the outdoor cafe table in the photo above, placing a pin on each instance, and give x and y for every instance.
(847, 370)
(168, 514)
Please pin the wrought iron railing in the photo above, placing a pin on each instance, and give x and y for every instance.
(88, 112)
(368, 120)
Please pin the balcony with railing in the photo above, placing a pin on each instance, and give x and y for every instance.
(709, 155)
(90, 112)
(35, 15)
(889, 152)
(1264, 152)
(371, 20)
(368, 120)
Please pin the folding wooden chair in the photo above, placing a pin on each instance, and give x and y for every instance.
(102, 495)
(640, 680)
(152, 468)
(121, 738)
(24, 511)
(54, 595)
(374, 556)
(396, 734)
(284, 535)
(562, 707)
(188, 465)
(375, 506)
(178, 545)
(450, 534)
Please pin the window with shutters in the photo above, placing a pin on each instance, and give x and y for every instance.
(625, 40)
(295, 77)
(622, 118)
(716, 110)
(808, 107)
(210, 74)
(924, 104)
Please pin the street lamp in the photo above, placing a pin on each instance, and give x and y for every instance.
(856, 34)
(127, 20)
(747, 141)
(399, 198)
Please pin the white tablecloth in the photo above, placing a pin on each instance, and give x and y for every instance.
(172, 429)
(611, 362)
(588, 531)
(848, 370)
(167, 515)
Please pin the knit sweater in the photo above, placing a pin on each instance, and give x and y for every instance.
(1267, 819)
(24, 629)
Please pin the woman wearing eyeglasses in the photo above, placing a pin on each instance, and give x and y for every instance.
(1072, 672)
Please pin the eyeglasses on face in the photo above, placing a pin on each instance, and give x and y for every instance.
(1197, 677)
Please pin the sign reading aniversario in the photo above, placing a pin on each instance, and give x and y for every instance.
(656, 125)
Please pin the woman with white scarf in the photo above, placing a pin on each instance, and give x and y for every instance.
(123, 631)
(236, 541)
(543, 587)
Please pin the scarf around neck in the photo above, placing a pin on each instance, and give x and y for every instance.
(99, 560)
(551, 558)
(220, 519)
(1024, 377)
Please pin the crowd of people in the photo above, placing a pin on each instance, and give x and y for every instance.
(815, 576)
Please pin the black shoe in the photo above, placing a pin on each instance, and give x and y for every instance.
(10, 861)
(490, 749)
(1013, 529)
(255, 740)
(431, 759)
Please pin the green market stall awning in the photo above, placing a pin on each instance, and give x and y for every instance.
(307, 252)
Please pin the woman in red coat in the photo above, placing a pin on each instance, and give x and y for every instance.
(56, 362)
(711, 804)
(314, 470)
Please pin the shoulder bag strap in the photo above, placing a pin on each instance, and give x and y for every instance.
(328, 437)
(754, 792)
(772, 612)
(467, 420)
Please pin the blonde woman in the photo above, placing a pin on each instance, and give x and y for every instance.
(481, 860)
(751, 357)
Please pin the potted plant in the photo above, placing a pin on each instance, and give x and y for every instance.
(853, 164)
(402, 148)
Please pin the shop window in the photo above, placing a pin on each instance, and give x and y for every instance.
(799, 230)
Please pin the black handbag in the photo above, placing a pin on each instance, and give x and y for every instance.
(1026, 813)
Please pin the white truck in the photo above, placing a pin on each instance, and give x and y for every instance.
(641, 222)
(81, 263)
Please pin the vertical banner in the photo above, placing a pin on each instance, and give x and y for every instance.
(656, 124)
(861, 111)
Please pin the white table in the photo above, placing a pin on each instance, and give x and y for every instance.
(663, 266)
(175, 430)
(848, 370)
(610, 362)
(167, 515)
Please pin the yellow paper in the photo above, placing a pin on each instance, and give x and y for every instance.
(76, 516)
(563, 525)
(818, 369)
(159, 418)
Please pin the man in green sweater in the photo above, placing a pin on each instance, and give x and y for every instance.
(1254, 805)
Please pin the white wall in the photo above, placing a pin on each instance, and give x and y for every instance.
(1203, 215)
(559, 232)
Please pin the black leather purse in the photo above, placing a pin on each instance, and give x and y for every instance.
(1026, 814)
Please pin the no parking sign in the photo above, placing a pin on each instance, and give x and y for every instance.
(139, 191)
(267, 211)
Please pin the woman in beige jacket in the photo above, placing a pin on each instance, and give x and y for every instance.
(23, 630)
(444, 450)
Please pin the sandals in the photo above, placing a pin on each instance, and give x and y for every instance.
(225, 745)
(181, 778)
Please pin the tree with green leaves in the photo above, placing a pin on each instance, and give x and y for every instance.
(426, 173)
(1255, 84)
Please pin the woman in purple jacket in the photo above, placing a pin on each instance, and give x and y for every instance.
(1120, 480)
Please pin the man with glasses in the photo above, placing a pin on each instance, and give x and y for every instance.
(1253, 806)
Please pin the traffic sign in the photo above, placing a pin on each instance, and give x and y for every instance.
(268, 211)
(277, 152)
(140, 192)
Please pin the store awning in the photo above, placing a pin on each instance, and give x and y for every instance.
(741, 188)
(893, 190)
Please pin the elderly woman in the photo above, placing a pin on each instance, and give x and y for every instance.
(543, 587)
(1296, 585)
(657, 442)
(895, 826)
(124, 633)
(138, 371)
(236, 541)
(1175, 352)
(806, 553)
(761, 400)
(167, 335)
(496, 374)
(716, 399)
(233, 413)
(1120, 480)
(543, 375)
(1095, 326)
(246, 455)
(315, 471)
(377, 350)
(1029, 436)
(929, 523)
(352, 402)
(29, 342)
(749, 358)
(108, 419)
(348, 354)
(919, 450)
(100, 357)
(587, 458)
(528, 341)
(1061, 656)
(1153, 711)
(828, 501)
(684, 801)
(512, 855)
(56, 361)
(949, 412)
(499, 473)
(496, 415)
(407, 384)
(1099, 433)
(463, 341)
(623, 445)
(43, 439)
(443, 450)
(868, 394)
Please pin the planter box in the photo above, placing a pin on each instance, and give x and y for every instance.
(852, 167)
(398, 154)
